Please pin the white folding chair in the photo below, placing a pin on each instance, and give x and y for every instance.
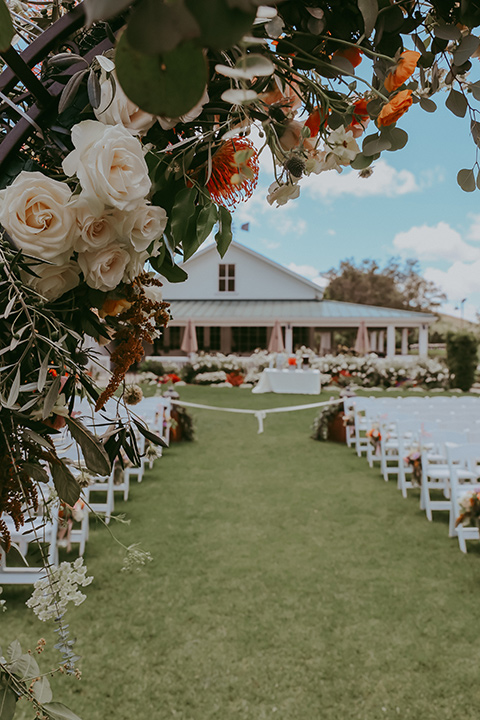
(464, 467)
(435, 469)
(26, 574)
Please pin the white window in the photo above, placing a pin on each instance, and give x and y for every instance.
(226, 278)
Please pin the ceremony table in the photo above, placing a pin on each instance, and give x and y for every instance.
(301, 382)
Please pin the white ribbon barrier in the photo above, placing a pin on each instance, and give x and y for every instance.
(259, 414)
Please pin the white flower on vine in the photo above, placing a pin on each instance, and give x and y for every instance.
(342, 145)
(53, 592)
(282, 193)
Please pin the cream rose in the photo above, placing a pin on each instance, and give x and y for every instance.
(142, 225)
(54, 280)
(116, 109)
(135, 265)
(35, 211)
(109, 164)
(95, 230)
(104, 269)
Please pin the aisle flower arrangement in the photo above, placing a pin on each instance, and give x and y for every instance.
(414, 461)
(470, 509)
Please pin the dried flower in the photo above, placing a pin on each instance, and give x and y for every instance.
(133, 394)
(52, 593)
(135, 558)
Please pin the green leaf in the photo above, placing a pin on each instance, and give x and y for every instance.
(222, 26)
(447, 32)
(374, 144)
(362, 161)
(35, 471)
(206, 220)
(156, 26)
(70, 90)
(369, 10)
(182, 210)
(59, 711)
(65, 484)
(95, 455)
(169, 270)
(170, 84)
(14, 390)
(397, 138)
(42, 375)
(155, 439)
(52, 397)
(14, 651)
(456, 103)
(475, 130)
(223, 237)
(466, 180)
(8, 700)
(6, 27)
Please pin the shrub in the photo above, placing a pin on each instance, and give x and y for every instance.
(462, 359)
(153, 366)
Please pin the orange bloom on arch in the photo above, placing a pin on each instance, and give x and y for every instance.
(394, 109)
(361, 118)
(403, 70)
(315, 121)
(234, 172)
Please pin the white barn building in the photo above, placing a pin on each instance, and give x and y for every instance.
(234, 302)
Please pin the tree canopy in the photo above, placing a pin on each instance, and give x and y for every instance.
(396, 285)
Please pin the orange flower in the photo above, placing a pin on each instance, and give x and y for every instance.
(114, 307)
(404, 68)
(361, 118)
(234, 172)
(353, 55)
(315, 121)
(394, 109)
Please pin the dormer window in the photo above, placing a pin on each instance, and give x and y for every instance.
(226, 278)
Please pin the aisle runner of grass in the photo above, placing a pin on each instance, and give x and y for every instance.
(288, 581)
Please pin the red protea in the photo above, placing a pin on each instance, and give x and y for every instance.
(234, 174)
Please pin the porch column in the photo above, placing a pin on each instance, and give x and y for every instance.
(288, 339)
(390, 340)
(206, 337)
(226, 340)
(423, 341)
(325, 343)
(166, 339)
(373, 341)
(404, 341)
(381, 341)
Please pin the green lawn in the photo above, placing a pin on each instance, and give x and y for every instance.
(288, 581)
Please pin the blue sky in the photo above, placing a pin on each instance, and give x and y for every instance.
(410, 207)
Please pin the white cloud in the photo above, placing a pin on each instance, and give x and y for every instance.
(309, 272)
(438, 242)
(384, 181)
(284, 220)
(459, 281)
(469, 311)
(474, 231)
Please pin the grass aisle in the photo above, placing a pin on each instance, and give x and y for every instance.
(288, 581)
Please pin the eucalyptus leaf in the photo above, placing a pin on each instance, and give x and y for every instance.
(42, 691)
(456, 103)
(157, 27)
(475, 130)
(95, 455)
(466, 180)
(428, 105)
(374, 144)
(239, 96)
(447, 32)
(170, 84)
(397, 137)
(467, 47)
(361, 162)
(6, 27)
(221, 25)
(67, 487)
(104, 9)
(25, 667)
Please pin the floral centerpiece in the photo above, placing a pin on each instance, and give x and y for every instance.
(375, 438)
(469, 503)
(414, 461)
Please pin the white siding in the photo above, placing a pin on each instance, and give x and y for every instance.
(255, 279)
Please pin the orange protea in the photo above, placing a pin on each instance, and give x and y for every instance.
(394, 109)
(353, 55)
(406, 65)
(234, 172)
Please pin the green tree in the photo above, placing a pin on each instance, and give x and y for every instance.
(462, 358)
(396, 285)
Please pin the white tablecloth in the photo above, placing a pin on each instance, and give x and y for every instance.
(302, 382)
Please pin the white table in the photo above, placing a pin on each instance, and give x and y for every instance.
(301, 382)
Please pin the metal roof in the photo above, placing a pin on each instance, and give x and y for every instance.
(306, 312)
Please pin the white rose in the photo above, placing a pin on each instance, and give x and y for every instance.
(54, 280)
(35, 211)
(116, 109)
(136, 264)
(95, 230)
(109, 164)
(104, 269)
(142, 225)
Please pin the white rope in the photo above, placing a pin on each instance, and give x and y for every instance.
(259, 414)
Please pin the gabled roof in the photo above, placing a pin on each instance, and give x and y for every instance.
(212, 248)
